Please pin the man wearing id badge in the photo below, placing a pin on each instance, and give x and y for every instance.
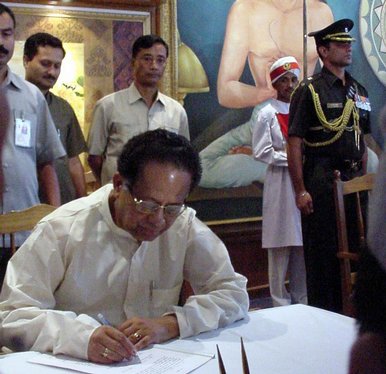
(329, 117)
(31, 143)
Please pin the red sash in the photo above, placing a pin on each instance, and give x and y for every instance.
(283, 122)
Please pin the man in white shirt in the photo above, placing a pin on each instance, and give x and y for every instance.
(141, 107)
(124, 252)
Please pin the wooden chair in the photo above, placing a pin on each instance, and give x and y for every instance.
(21, 220)
(347, 255)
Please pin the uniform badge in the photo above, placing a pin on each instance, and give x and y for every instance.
(287, 66)
(334, 105)
(362, 102)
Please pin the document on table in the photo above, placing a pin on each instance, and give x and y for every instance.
(157, 359)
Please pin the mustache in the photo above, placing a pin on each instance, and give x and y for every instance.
(3, 50)
(49, 77)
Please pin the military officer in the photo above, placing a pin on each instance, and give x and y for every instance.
(329, 115)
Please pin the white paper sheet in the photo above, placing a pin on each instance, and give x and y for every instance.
(154, 360)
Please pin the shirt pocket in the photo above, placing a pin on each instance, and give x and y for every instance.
(122, 129)
(171, 129)
(169, 121)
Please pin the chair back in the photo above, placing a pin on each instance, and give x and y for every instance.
(21, 220)
(346, 255)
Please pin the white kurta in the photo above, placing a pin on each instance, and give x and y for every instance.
(281, 217)
(78, 263)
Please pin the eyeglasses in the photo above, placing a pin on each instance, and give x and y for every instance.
(150, 207)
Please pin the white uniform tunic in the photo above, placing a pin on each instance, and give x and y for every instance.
(281, 217)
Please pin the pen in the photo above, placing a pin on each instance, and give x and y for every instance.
(151, 288)
(106, 322)
(103, 320)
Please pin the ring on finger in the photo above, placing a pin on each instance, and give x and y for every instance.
(137, 336)
(106, 352)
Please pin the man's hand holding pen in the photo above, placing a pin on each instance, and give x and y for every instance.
(108, 345)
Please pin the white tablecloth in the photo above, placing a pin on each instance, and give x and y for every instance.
(294, 339)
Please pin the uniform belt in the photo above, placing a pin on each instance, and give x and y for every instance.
(343, 165)
(319, 128)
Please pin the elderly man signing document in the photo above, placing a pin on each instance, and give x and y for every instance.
(122, 254)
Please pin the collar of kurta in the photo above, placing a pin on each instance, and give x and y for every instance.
(134, 95)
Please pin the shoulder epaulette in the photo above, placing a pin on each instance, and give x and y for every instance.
(306, 81)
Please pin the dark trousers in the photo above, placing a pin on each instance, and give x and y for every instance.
(320, 235)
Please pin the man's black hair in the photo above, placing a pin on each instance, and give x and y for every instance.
(160, 146)
(5, 9)
(147, 41)
(41, 39)
(322, 44)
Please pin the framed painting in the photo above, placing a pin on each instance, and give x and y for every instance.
(219, 121)
(98, 43)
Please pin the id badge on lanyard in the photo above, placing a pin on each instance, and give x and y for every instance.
(22, 131)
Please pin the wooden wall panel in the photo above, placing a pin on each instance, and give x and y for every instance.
(243, 241)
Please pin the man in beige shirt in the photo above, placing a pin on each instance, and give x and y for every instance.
(141, 107)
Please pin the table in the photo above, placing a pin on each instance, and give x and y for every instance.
(294, 339)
